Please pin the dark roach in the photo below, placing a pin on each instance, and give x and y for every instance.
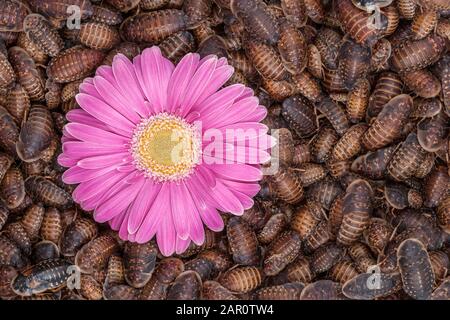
(35, 135)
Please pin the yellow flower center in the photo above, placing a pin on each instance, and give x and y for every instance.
(166, 147)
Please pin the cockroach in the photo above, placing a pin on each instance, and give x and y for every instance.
(335, 115)
(388, 123)
(349, 144)
(17, 234)
(90, 288)
(177, 45)
(356, 211)
(73, 64)
(27, 73)
(53, 95)
(407, 8)
(59, 9)
(434, 4)
(153, 26)
(98, 36)
(78, 233)
(357, 288)
(203, 267)
(139, 263)
(308, 86)
(388, 86)
(322, 290)
(417, 54)
(266, 60)
(314, 61)
(436, 186)
(243, 242)
(357, 24)
(46, 275)
(317, 237)
(406, 159)
(35, 135)
(212, 290)
(7, 75)
(354, 61)
(440, 264)
(325, 257)
(306, 218)
(422, 82)
(128, 49)
(432, 132)
(328, 43)
(39, 31)
(343, 271)
(287, 291)
(278, 90)
(300, 116)
(415, 269)
(242, 279)
(44, 250)
(12, 188)
(39, 56)
(286, 186)
(32, 220)
(10, 253)
(106, 15)
(315, 10)
(281, 252)
(324, 192)
(323, 144)
(293, 48)
(124, 5)
(258, 21)
(46, 191)
(95, 254)
(51, 228)
(358, 100)
(424, 23)
(443, 214)
(310, 173)
(153, 4)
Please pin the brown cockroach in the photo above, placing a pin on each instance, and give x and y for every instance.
(436, 186)
(415, 269)
(422, 82)
(358, 100)
(349, 144)
(323, 144)
(177, 45)
(388, 123)
(73, 64)
(354, 61)
(27, 73)
(98, 36)
(95, 254)
(308, 86)
(300, 116)
(242, 279)
(243, 242)
(36, 134)
(39, 31)
(293, 48)
(266, 60)
(335, 115)
(406, 159)
(417, 54)
(107, 15)
(356, 211)
(12, 188)
(281, 252)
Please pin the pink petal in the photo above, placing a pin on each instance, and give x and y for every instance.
(250, 189)
(117, 202)
(94, 135)
(180, 214)
(105, 113)
(239, 111)
(142, 205)
(220, 100)
(159, 209)
(79, 150)
(246, 201)
(123, 231)
(240, 172)
(259, 114)
(81, 116)
(182, 245)
(128, 84)
(76, 174)
(154, 72)
(107, 73)
(166, 236)
(116, 222)
(115, 99)
(180, 79)
(219, 77)
(96, 186)
(210, 217)
(227, 199)
(65, 161)
(198, 84)
(102, 161)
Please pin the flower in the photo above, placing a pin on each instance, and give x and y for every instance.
(140, 147)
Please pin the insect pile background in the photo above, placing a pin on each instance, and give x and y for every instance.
(360, 208)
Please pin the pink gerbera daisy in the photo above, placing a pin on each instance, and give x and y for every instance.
(141, 152)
